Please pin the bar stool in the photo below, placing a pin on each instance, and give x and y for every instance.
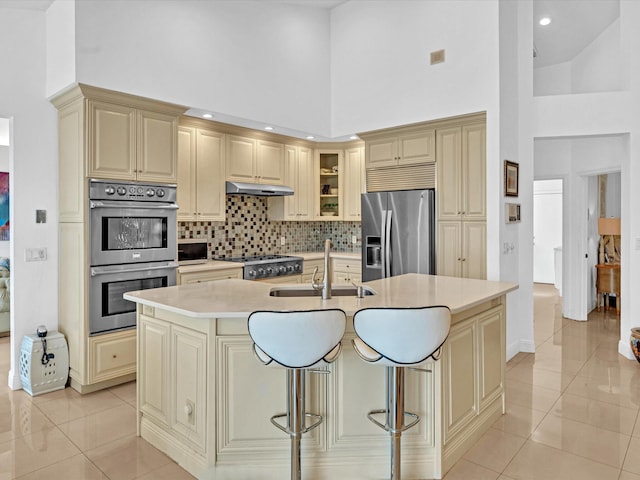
(297, 341)
(399, 338)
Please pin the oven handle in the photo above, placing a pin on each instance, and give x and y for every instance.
(105, 270)
(141, 205)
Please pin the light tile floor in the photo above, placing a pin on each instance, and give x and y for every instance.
(572, 413)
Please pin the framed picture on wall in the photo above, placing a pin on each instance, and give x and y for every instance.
(510, 179)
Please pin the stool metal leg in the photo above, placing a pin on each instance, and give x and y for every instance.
(295, 416)
(395, 416)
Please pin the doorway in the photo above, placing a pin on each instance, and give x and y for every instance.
(547, 232)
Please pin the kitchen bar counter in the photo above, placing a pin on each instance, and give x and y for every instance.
(206, 401)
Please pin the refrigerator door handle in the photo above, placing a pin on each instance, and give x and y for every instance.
(387, 251)
(383, 244)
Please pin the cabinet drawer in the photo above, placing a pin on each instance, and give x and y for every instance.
(112, 355)
(209, 275)
(343, 265)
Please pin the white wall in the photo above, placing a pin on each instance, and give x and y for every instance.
(34, 169)
(61, 48)
(380, 55)
(552, 80)
(597, 68)
(613, 195)
(264, 61)
(547, 228)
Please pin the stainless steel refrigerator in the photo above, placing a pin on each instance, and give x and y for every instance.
(398, 233)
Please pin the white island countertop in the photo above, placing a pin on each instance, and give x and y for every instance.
(234, 298)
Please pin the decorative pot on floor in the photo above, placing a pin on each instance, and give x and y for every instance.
(635, 342)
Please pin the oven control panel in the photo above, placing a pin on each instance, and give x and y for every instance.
(131, 191)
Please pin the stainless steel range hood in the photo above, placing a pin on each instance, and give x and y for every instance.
(258, 189)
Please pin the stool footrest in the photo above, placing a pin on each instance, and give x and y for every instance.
(387, 427)
(318, 421)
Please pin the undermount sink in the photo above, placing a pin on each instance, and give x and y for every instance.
(336, 291)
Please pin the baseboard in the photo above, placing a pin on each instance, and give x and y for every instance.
(14, 381)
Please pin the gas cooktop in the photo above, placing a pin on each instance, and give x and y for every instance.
(268, 266)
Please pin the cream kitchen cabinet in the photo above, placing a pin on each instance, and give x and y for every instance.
(329, 186)
(201, 166)
(473, 360)
(461, 249)
(411, 147)
(127, 143)
(346, 271)
(353, 183)
(461, 173)
(174, 359)
(299, 175)
(207, 275)
(112, 135)
(255, 160)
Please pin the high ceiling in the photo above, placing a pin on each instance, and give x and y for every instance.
(574, 25)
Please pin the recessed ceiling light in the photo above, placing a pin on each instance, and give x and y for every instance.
(353, 137)
(207, 115)
(310, 137)
(268, 128)
(545, 21)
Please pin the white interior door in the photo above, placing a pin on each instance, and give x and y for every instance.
(547, 229)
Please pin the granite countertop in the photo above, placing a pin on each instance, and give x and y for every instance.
(234, 298)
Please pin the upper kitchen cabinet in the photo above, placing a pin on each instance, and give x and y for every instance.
(401, 149)
(253, 160)
(127, 143)
(461, 161)
(299, 175)
(112, 135)
(201, 175)
(329, 187)
(401, 158)
(354, 183)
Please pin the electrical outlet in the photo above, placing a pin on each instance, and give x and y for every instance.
(354, 239)
(35, 254)
(283, 241)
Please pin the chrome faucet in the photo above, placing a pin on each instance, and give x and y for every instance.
(325, 285)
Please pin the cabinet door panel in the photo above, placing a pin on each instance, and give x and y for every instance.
(241, 158)
(303, 191)
(417, 148)
(112, 144)
(449, 174)
(270, 163)
(492, 356)
(474, 172)
(157, 147)
(186, 192)
(448, 258)
(382, 153)
(188, 384)
(460, 370)
(353, 183)
(209, 183)
(154, 368)
(474, 250)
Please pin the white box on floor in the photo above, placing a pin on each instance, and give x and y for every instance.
(40, 375)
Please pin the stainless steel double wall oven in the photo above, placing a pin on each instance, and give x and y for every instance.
(133, 247)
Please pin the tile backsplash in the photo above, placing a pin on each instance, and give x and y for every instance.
(248, 231)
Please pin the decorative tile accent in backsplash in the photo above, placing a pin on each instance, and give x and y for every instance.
(248, 231)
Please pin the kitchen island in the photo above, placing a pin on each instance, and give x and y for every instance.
(206, 401)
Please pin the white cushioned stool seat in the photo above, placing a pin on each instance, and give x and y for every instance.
(297, 341)
(397, 338)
